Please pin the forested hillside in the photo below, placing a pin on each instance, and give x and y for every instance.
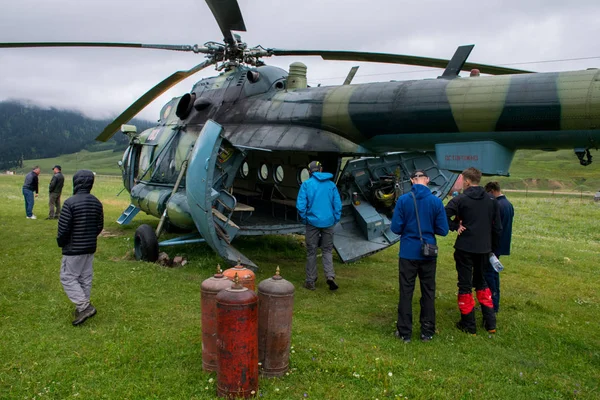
(28, 132)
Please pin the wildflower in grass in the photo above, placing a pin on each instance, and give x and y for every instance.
(390, 373)
(211, 380)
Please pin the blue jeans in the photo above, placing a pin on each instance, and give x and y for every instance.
(28, 194)
(493, 280)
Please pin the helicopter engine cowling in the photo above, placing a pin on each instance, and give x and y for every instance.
(201, 103)
(184, 107)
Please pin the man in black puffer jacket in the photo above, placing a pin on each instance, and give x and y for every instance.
(81, 221)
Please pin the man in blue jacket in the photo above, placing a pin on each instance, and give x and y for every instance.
(507, 213)
(412, 263)
(320, 208)
(31, 186)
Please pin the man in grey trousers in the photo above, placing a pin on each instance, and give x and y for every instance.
(320, 208)
(81, 221)
(55, 189)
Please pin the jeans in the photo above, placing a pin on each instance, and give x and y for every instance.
(28, 195)
(493, 280)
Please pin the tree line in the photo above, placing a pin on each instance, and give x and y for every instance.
(28, 132)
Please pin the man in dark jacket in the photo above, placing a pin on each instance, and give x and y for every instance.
(55, 188)
(30, 186)
(474, 215)
(412, 263)
(81, 221)
(507, 213)
(320, 208)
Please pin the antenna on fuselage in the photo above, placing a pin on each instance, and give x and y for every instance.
(457, 62)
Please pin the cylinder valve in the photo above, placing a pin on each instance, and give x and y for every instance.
(245, 275)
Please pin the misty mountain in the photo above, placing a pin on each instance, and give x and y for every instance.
(28, 132)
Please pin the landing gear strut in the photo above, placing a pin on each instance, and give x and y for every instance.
(584, 156)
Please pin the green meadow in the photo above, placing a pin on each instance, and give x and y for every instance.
(145, 341)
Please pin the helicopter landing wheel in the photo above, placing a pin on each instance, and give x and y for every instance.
(145, 244)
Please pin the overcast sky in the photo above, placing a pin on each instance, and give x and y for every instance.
(103, 82)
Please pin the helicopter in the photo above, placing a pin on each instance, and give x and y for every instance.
(227, 159)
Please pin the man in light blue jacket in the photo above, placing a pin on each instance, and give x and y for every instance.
(320, 208)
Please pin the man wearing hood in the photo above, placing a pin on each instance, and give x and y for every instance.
(431, 221)
(81, 221)
(320, 208)
(475, 216)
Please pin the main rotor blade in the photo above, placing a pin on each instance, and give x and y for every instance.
(147, 98)
(228, 16)
(395, 59)
(174, 47)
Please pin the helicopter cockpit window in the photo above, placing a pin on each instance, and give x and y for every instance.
(303, 175)
(263, 172)
(278, 174)
(144, 171)
(244, 170)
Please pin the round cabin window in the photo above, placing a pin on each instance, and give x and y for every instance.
(244, 170)
(263, 172)
(278, 176)
(303, 175)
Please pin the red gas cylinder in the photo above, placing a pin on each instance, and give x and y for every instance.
(276, 302)
(246, 276)
(209, 290)
(237, 341)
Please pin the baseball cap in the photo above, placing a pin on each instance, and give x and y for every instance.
(57, 166)
(314, 166)
(418, 173)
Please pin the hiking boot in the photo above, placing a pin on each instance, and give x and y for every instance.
(405, 339)
(490, 330)
(82, 316)
(309, 285)
(332, 284)
(426, 338)
(463, 328)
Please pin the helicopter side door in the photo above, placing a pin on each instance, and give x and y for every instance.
(209, 179)
(369, 187)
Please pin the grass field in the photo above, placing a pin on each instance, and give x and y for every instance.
(145, 342)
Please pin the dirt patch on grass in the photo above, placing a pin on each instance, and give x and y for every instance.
(108, 233)
(556, 185)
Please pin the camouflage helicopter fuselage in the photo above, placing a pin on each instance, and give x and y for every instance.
(527, 111)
